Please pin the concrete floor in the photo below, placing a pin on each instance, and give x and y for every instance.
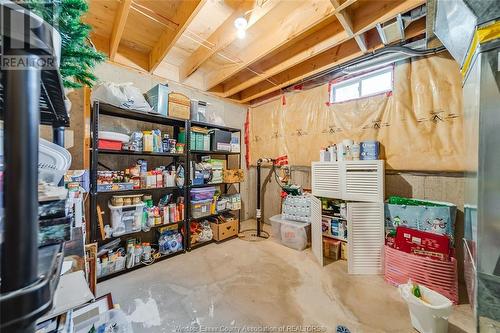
(239, 283)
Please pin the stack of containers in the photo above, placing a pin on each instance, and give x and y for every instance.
(201, 201)
(420, 244)
(293, 227)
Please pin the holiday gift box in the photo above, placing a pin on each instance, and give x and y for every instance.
(424, 215)
(423, 243)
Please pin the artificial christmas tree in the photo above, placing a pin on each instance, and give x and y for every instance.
(78, 55)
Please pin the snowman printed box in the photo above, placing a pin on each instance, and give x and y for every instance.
(439, 219)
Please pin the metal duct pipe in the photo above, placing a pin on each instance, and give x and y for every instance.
(374, 60)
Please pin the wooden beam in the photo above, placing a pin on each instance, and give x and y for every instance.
(247, 78)
(323, 37)
(333, 57)
(118, 27)
(373, 12)
(125, 56)
(345, 20)
(185, 14)
(223, 36)
(288, 22)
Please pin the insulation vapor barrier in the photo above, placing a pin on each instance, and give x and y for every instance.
(419, 124)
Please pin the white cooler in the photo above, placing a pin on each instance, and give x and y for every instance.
(296, 235)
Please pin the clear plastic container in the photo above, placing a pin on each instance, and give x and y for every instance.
(113, 320)
(126, 219)
(296, 235)
(200, 208)
(204, 193)
(222, 204)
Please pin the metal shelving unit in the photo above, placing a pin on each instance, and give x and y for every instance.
(28, 97)
(102, 109)
(195, 154)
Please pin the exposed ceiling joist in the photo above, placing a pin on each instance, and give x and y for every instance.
(274, 32)
(335, 56)
(339, 54)
(186, 12)
(224, 35)
(241, 82)
(124, 56)
(373, 12)
(118, 27)
(321, 38)
(345, 20)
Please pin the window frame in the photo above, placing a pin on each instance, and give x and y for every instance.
(346, 81)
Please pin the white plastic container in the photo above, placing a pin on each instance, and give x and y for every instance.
(126, 219)
(430, 316)
(295, 235)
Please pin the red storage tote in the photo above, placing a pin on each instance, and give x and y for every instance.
(440, 276)
(110, 144)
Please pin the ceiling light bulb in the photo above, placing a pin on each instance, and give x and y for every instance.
(241, 23)
(241, 33)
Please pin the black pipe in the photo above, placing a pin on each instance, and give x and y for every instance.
(258, 215)
(20, 244)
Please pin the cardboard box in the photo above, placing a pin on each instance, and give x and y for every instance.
(423, 243)
(233, 175)
(179, 106)
(331, 248)
(343, 250)
(225, 230)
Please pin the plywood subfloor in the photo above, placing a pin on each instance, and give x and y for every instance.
(238, 283)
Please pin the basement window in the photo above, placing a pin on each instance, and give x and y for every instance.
(366, 85)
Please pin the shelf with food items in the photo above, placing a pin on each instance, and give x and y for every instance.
(138, 254)
(138, 213)
(139, 153)
(140, 142)
(137, 177)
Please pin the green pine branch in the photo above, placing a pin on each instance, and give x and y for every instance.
(78, 57)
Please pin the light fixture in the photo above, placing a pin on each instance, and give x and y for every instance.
(241, 23)
(241, 33)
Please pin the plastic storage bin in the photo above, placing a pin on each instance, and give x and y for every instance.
(295, 235)
(430, 316)
(439, 275)
(110, 267)
(204, 193)
(200, 208)
(126, 219)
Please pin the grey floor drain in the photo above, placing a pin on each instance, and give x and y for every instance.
(342, 329)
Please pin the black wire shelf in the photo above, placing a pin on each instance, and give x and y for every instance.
(141, 265)
(137, 153)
